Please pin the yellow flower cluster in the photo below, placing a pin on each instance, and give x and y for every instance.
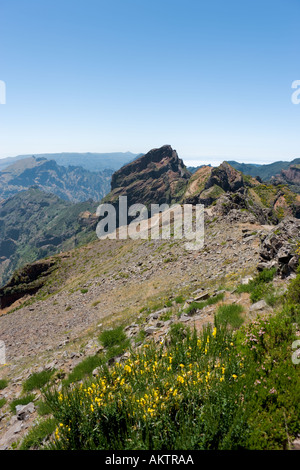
(150, 383)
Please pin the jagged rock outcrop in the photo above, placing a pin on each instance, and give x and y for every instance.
(208, 184)
(226, 177)
(26, 281)
(157, 177)
(240, 205)
(280, 248)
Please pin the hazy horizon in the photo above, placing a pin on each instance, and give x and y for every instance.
(189, 161)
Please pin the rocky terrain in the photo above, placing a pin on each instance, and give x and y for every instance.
(110, 282)
(52, 311)
(290, 177)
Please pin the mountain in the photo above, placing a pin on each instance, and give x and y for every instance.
(35, 224)
(89, 161)
(72, 183)
(159, 176)
(226, 188)
(265, 172)
(129, 343)
(289, 176)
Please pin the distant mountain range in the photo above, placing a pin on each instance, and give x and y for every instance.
(73, 183)
(266, 171)
(89, 161)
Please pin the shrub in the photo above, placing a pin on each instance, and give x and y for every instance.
(211, 390)
(112, 337)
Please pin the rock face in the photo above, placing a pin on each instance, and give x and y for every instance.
(157, 177)
(226, 177)
(27, 281)
(208, 184)
(280, 247)
(289, 176)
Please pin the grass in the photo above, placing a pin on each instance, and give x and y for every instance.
(113, 337)
(37, 434)
(2, 402)
(3, 383)
(37, 380)
(230, 314)
(83, 369)
(115, 341)
(42, 408)
(179, 299)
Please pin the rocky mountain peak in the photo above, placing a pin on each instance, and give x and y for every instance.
(159, 176)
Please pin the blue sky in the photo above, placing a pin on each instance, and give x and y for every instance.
(211, 78)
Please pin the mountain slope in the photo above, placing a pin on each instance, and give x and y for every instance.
(35, 224)
(72, 184)
(53, 312)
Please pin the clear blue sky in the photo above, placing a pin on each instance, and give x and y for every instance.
(211, 78)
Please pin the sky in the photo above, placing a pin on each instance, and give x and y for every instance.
(211, 78)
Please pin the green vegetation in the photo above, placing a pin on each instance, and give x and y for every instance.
(260, 286)
(230, 314)
(37, 434)
(2, 402)
(113, 337)
(221, 389)
(37, 380)
(83, 369)
(3, 383)
(42, 408)
(179, 299)
(115, 341)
